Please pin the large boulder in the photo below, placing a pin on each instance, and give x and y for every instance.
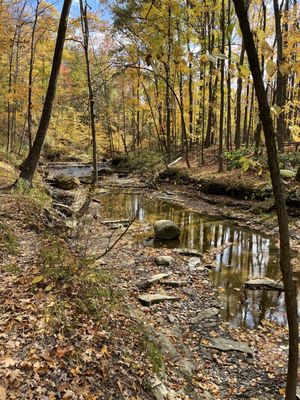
(166, 230)
(66, 182)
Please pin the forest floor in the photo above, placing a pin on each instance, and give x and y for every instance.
(72, 325)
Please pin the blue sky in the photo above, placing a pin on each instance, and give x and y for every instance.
(95, 5)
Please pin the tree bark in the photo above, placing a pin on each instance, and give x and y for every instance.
(237, 139)
(221, 125)
(85, 32)
(30, 74)
(281, 79)
(29, 166)
(269, 132)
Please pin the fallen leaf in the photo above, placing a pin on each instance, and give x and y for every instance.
(2, 393)
(37, 279)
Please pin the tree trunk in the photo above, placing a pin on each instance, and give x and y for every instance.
(31, 162)
(228, 133)
(221, 125)
(281, 79)
(85, 32)
(30, 73)
(269, 132)
(237, 139)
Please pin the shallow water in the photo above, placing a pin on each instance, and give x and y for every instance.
(252, 254)
(78, 170)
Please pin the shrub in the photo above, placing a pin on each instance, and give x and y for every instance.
(234, 158)
(289, 160)
(8, 240)
(142, 160)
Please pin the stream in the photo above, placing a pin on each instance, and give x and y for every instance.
(252, 253)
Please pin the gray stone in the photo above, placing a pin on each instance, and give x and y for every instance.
(165, 260)
(264, 283)
(166, 346)
(155, 278)
(224, 344)
(66, 182)
(194, 262)
(171, 318)
(166, 230)
(149, 299)
(190, 292)
(187, 368)
(160, 392)
(205, 314)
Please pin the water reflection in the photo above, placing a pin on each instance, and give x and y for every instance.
(252, 254)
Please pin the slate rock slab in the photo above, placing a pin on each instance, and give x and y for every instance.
(194, 262)
(156, 278)
(224, 344)
(166, 229)
(264, 283)
(205, 314)
(149, 299)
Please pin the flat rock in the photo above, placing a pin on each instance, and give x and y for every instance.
(264, 283)
(224, 344)
(156, 278)
(188, 252)
(174, 283)
(149, 299)
(160, 392)
(194, 262)
(187, 368)
(165, 260)
(205, 314)
(166, 229)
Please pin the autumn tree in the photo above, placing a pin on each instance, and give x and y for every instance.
(285, 257)
(31, 162)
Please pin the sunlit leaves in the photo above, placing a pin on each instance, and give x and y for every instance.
(271, 68)
(244, 71)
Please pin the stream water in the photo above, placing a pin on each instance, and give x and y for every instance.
(251, 255)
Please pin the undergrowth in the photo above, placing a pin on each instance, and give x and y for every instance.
(8, 240)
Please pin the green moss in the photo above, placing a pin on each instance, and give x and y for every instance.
(8, 240)
(12, 268)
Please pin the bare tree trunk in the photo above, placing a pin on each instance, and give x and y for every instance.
(228, 133)
(31, 162)
(237, 139)
(281, 79)
(85, 32)
(221, 125)
(269, 132)
(30, 73)
(211, 39)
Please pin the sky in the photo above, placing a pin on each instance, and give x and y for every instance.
(95, 6)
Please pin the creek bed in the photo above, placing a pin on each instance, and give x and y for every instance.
(252, 254)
